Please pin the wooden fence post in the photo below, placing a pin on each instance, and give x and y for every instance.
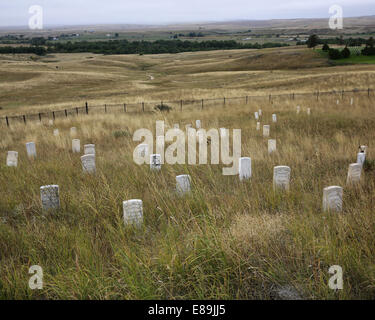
(7, 120)
(87, 108)
(77, 111)
(105, 108)
(181, 104)
(124, 107)
(53, 115)
(202, 104)
(24, 119)
(40, 117)
(143, 106)
(66, 113)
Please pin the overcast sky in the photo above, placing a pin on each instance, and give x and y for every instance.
(68, 12)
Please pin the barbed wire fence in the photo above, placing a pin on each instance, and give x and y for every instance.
(175, 105)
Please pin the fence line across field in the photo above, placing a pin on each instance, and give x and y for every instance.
(178, 104)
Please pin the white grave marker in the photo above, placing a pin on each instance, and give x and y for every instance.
(351, 101)
(198, 124)
(50, 197)
(73, 131)
(308, 111)
(89, 149)
(361, 157)
(244, 168)
(281, 177)
(260, 112)
(31, 149)
(266, 130)
(155, 162)
(256, 115)
(332, 198)
(258, 126)
(223, 132)
(298, 109)
(133, 212)
(183, 184)
(337, 102)
(76, 146)
(56, 132)
(354, 173)
(88, 163)
(50, 122)
(271, 145)
(12, 159)
(274, 118)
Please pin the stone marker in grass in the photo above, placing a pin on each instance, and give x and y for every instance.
(56, 132)
(281, 177)
(332, 198)
(133, 212)
(155, 162)
(308, 111)
(12, 158)
(76, 146)
(73, 131)
(258, 126)
(89, 149)
(354, 173)
(50, 197)
(361, 157)
(266, 130)
(298, 109)
(244, 168)
(198, 124)
(256, 115)
(260, 112)
(271, 145)
(88, 163)
(31, 149)
(274, 118)
(183, 184)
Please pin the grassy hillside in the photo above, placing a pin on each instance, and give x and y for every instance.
(228, 240)
(68, 80)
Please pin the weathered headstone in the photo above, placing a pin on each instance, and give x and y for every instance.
(298, 109)
(361, 157)
(50, 197)
(198, 124)
(56, 132)
(73, 131)
(258, 126)
(354, 173)
(155, 162)
(337, 102)
(256, 115)
(266, 130)
(351, 101)
(89, 149)
(31, 149)
(76, 146)
(188, 126)
(133, 212)
(274, 118)
(260, 112)
(281, 177)
(271, 145)
(88, 163)
(332, 198)
(244, 168)
(183, 184)
(308, 111)
(50, 122)
(12, 159)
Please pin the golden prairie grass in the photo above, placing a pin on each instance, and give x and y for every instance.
(69, 80)
(227, 240)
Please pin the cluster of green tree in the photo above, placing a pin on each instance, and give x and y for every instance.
(369, 50)
(314, 40)
(149, 47)
(40, 51)
(335, 54)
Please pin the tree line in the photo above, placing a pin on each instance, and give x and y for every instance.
(134, 47)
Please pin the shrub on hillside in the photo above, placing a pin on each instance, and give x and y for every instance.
(368, 51)
(345, 53)
(325, 47)
(334, 54)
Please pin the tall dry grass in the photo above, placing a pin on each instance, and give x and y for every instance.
(227, 240)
